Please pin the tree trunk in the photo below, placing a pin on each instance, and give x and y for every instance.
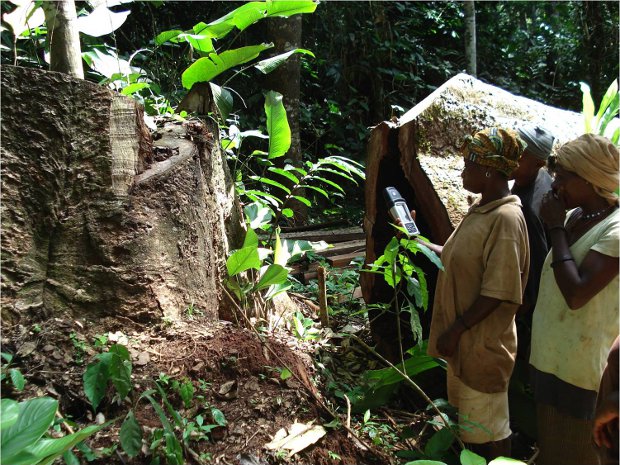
(285, 33)
(96, 221)
(419, 155)
(594, 44)
(64, 37)
(470, 36)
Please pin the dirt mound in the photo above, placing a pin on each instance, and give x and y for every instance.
(259, 384)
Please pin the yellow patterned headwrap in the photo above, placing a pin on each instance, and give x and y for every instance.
(595, 159)
(496, 148)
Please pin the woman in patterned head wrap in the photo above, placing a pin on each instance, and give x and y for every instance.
(576, 315)
(486, 260)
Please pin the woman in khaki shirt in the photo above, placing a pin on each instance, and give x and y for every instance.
(485, 260)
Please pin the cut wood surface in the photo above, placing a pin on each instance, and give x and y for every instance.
(330, 236)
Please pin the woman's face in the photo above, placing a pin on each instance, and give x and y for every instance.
(568, 186)
(473, 176)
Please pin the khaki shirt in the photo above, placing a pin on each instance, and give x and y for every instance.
(487, 255)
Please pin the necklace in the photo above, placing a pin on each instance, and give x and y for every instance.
(591, 216)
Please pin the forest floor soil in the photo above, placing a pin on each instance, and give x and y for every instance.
(231, 368)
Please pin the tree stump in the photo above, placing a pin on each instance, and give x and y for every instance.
(418, 155)
(95, 220)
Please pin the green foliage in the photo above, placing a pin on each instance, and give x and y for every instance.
(80, 347)
(131, 435)
(304, 328)
(114, 366)
(13, 374)
(177, 433)
(408, 280)
(23, 427)
(468, 457)
(605, 122)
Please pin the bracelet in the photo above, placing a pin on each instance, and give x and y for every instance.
(566, 258)
(461, 320)
(559, 226)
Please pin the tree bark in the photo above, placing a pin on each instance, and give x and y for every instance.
(97, 222)
(470, 36)
(594, 41)
(64, 37)
(285, 33)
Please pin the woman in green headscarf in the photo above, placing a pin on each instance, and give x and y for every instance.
(486, 261)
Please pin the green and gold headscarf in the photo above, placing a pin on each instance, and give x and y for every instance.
(496, 148)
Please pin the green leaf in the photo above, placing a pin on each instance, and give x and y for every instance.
(273, 274)
(265, 196)
(285, 374)
(201, 43)
(17, 379)
(432, 256)
(288, 213)
(251, 12)
(120, 374)
(34, 418)
(337, 173)
(46, 451)
(439, 443)
(316, 189)
(506, 461)
(258, 214)
(470, 458)
(281, 254)
(101, 21)
(251, 239)
(414, 365)
(303, 200)
(271, 182)
(286, 8)
(268, 65)
(6, 356)
(206, 68)
(218, 417)
(9, 411)
(131, 435)
(96, 379)
(223, 100)
(276, 289)
(241, 18)
(186, 391)
(242, 260)
(277, 125)
(27, 15)
(606, 101)
(285, 173)
(135, 87)
(70, 458)
(167, 36)
(366, 416)
(327, 181)
(588, 106)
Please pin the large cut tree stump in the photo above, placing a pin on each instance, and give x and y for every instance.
(418, 155)
(95, 220)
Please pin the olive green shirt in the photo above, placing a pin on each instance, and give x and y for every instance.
(486, 255)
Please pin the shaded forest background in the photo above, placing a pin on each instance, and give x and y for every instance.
(375, 60)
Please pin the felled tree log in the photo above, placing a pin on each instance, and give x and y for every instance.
(418, 155)
(94, 220)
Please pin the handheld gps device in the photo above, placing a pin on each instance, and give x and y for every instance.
(399, 210)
